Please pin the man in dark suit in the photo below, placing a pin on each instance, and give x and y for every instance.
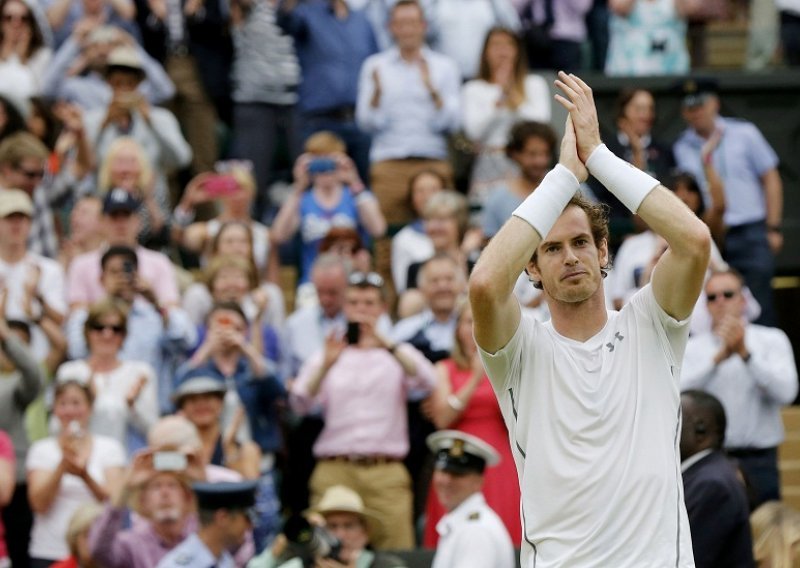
(715, 497)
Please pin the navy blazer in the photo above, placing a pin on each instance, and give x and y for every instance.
(719, 516)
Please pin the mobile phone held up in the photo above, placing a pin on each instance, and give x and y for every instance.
(220, 185)
(169, 461)
(321, 166)
(353, 332)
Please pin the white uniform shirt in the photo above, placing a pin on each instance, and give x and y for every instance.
(594, 429)
(473, 536)
(752, 393)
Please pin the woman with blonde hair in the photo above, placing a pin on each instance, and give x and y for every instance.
(776, 535)
(503, 94)
(78, 538)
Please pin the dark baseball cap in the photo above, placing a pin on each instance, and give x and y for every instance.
(119, 199)
(696, 91)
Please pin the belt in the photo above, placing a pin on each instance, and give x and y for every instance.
(343, 113)
(749, 452)
(367, 461)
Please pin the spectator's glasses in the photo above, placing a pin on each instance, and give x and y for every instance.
(366, 279)
(727, 294)
(24, 18)
(31, 174)
(117, 329)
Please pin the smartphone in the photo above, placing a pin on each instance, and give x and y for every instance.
(129, 269)
(169, 461)
(353, 332)
(221, 185)
(322, 166)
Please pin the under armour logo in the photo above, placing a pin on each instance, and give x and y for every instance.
(618, 336)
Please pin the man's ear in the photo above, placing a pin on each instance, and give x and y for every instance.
(533, 275)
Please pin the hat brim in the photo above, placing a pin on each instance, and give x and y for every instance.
(135, 497)
(374, 524)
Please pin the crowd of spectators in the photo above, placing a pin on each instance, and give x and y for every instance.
(150, 336)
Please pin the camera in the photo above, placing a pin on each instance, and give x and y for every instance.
(321, 166)
(308, 542)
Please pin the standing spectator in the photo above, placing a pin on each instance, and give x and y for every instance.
(716, 501)
(748, 168)
(125, 399)
(463, 25)
(790, 30)
(408, 99)
(362, 389)
(265, 76)
(647, 37)
(378, 13)
(471, 532)
(66, 16)
(554, 32)
(7, 485)
(67, 470)
(120, 225)
(751, 370)
(502, 95)
(21, 381)
(76, 72)
(24, 49)
(411, 244)
(328, 192)
(464, 401)
(531, 146)
(130, 114)
(332, 42)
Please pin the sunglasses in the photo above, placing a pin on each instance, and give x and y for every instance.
(727, 294)
(366, 279)
(17, 18)
(31, 174)
(117, 329)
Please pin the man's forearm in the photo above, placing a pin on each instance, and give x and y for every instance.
(773, 197)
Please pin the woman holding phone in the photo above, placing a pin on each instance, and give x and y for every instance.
(67, 470)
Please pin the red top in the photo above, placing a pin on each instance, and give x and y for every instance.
(6, 454)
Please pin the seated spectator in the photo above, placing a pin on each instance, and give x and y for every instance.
(327, 193)
(716, 501)
(411, 244)
(21, 382)
(34, 284)
(65, 17)
(776, 535)
(362, 389)
(130, 114)
(464, 25)
(447, 225)
(7, 485)
(646, 38)
(531, 148)
(78, 538)
(157, 335)
(120, 226)
(127, 166)
(471, 532)
(67, 470)
(751, 370)
(76, 71)
(25, 55)
(503, 94)
(347, 520)
(233, 192)
(85, 232)
(408, 100)
(554, 33)
(464, 401)
(125, 392)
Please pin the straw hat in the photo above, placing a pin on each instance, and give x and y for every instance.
(341, 499)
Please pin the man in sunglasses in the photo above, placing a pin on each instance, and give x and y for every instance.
(360, 380)
(751, 370)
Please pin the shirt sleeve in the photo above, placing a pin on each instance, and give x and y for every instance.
(106, 544)
(761, 155)
(299, 398)
(43, 454)
(369, 119)
(673, 333)
(505, 363)
(425, 378)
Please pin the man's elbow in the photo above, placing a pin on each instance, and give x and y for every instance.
(698, 241)
(482, 285)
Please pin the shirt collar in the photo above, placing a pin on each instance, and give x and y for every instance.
(691, 460)
(470, 505)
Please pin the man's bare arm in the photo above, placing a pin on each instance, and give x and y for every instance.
(495, 309)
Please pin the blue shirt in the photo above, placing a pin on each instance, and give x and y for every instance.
(742, 157)
(407, 123)
(331, 51)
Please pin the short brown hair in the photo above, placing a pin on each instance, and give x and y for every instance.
(103, 308)
(221, 262)
(21, 146)
(324, 142)
(522, 131)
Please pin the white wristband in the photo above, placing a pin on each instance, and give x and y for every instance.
(542, 207)
(630, 184)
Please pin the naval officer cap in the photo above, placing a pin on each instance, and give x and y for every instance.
(227, 495)
(460, 453)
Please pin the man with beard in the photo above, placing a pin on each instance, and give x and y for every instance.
(531, 145)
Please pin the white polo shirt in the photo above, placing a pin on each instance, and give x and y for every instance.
(594, 428)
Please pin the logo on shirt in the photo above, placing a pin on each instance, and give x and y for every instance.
(612, 344)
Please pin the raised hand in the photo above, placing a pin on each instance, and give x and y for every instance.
(579, 101)
(334, 345)
(568, 156)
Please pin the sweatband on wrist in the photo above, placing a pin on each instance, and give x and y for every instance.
(542, 207)
(627, 182)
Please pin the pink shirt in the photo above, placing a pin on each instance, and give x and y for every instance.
(83, 277)
(363, 399)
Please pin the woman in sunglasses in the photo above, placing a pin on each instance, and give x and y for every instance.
(24, 51)
(124, 391)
